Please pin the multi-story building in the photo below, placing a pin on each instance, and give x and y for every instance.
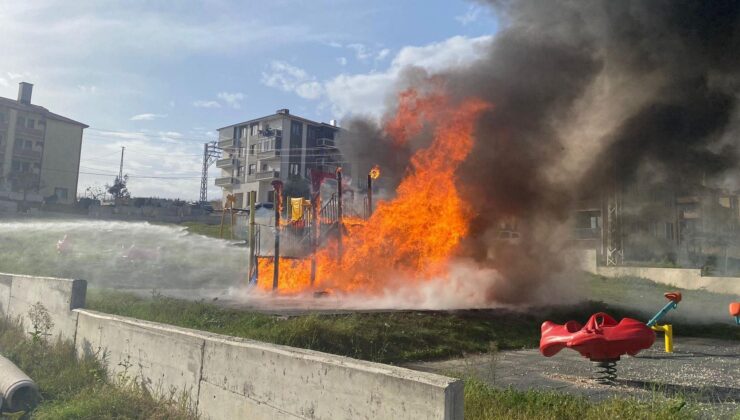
(39, 152)
(279, 146)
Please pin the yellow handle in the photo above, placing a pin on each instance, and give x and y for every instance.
(667, 330)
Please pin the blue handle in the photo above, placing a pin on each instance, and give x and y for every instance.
(667, 308)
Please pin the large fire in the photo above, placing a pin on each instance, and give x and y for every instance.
(412, 237)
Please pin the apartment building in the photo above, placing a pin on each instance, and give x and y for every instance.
(39, 152)
(279, 146)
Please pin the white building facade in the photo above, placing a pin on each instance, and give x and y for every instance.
(279, 146)
(39, 152)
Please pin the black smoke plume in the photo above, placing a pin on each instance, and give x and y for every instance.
(585, 92)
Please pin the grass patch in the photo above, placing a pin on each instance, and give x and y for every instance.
(393, 337)
(485, 402)
(213, 231)
(73, 388)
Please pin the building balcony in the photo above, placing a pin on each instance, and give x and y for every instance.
(263, 176)
(326, 143)
(227, 181)
(32, 132)
(268, 154)
(226, 163)
(27, 153)
(226, 143)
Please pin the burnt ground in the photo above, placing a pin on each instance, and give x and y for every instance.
(706, 371)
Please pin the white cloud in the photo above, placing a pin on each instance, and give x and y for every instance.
(289, 78)
(168, 156)
(382, 54)
(147, 117)
(366, 93)
(206, 104)
(91, 89)
(361, 52)
(232, 99)
(470, 16)
(342, 61)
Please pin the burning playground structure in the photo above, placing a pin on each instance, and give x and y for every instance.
(332, 247)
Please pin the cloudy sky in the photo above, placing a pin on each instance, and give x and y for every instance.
(159, 77)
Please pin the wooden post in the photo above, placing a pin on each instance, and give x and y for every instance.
(315, 222)
(251, 266)
(369, 196)
(278, 187)
(340, 213)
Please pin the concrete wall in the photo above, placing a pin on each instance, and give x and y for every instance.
(163, 357)
(265, 381)
(685, 278)
(59, 297)
(227, 377)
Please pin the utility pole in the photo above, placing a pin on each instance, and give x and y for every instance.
(120, 167)
(210, 154)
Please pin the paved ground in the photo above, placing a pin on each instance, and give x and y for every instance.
(707, 371)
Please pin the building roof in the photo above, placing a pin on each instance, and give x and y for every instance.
(12, 103)
(292, 116)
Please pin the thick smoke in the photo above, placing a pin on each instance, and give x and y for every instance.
(584, 93)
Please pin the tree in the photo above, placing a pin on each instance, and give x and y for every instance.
(25, 182)
(118, 190)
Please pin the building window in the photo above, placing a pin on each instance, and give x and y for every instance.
(25, 167)
(271, 196)
(244, 132)
(294, 169)
(28, 145)
(254, 128)
(251, 150)
(61, 193)
(30, 123)
(2, 117)
(264, 167)
(18, 144)
(16, 165)
(252, 168)
(21, 121)
(669, 230)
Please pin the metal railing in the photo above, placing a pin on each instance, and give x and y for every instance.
(229, 180)
(262, 176)
(226, 163)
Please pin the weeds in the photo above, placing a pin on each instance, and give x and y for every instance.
(72, 388)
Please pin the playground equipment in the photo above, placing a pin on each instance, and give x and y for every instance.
(228, 206)
(602, 340)
(667, 329)
(735, 311)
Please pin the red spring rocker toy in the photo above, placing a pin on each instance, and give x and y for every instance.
(602, 340)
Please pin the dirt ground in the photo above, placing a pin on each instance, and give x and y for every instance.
(702, 370)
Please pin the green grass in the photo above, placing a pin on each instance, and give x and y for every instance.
(485, 402)
(72, 388)
(393, 337)
(213, 231)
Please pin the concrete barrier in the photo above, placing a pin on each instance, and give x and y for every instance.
(59, 297)
(254, 380)
(228, 377)
(685, 278)
(162, 357)
(6, 282)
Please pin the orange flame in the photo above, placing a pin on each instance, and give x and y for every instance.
(412, 237)
(375, 172)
